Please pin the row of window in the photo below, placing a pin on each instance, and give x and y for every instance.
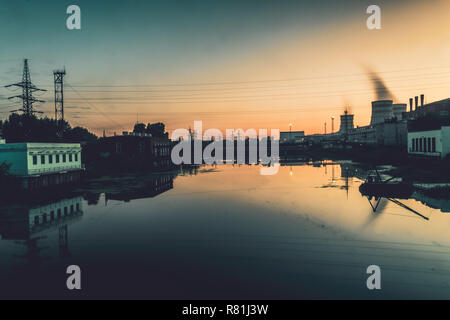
(57, 158)
(158, 151)
(423, 145)
(45, 218)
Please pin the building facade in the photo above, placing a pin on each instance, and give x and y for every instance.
(27, 159)
(429, 143)
(34, 166)
(131, 151)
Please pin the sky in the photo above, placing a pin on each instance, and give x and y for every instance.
(231, 64)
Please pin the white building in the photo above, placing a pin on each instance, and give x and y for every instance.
(430, 143)
(28, 159)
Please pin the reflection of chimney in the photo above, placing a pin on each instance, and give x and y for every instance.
(416, 98)
(410, 104)
(422, 98)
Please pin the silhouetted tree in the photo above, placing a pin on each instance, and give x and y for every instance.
(23, 128)
(155, 129)
(139, 128)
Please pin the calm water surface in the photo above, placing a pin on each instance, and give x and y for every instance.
(227, 232)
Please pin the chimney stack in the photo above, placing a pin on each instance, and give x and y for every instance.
(422, 98)
(416, 98)
(410, 104)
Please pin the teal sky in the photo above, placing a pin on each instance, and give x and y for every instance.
(146, 44)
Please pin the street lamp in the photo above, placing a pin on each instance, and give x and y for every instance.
(290, 130)
(332, 124)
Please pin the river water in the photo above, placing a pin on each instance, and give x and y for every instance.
(227, 232)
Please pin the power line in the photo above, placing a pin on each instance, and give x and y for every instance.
(27, 92)
(93, 106)
(257, 81)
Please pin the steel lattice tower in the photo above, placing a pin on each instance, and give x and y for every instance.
(27, 92)
(58, 76)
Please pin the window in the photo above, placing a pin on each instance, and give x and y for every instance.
(78, 206)
(433, 145)
(58, 213)
(118, 148)
(65, 211)
(50, 158)
(70, 157)
(429, 144)
(35, 160)
(42, 159)
(76, 156)
(57, 158)
(141, 147)
(420, 144)
(64, 158)
(71, 208)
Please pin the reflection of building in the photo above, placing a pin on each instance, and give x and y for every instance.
(37, 165)
(143, 189)
(441, 204)
(30, 223)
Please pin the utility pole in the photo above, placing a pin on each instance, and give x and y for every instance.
(325, 127)
(58, 76)
(27, 92)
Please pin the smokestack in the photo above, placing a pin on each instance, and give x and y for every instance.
(410, 104)
(416, 98)
(422, 98)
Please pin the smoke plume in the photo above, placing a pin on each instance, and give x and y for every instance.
(380, 89)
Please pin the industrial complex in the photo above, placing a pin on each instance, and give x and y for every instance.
(422, 129)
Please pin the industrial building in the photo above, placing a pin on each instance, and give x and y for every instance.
(38, 165)
(292, 136)
(429, 137)
(387, 127)
(131, 150)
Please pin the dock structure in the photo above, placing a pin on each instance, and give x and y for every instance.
(35, 166)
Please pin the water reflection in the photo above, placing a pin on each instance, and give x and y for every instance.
(227, 232)
(27, 224)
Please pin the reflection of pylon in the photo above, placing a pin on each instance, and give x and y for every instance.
(27, 92)
(63, 242)
(58, 76)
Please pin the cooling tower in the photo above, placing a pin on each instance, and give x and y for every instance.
(381, 111)
(346, 122)
(398, 109)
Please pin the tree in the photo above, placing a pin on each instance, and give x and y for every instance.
(156, 129)
(24, 128)
(4, 169)
(139, 128)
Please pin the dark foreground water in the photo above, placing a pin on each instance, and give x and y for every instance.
(227, 232)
